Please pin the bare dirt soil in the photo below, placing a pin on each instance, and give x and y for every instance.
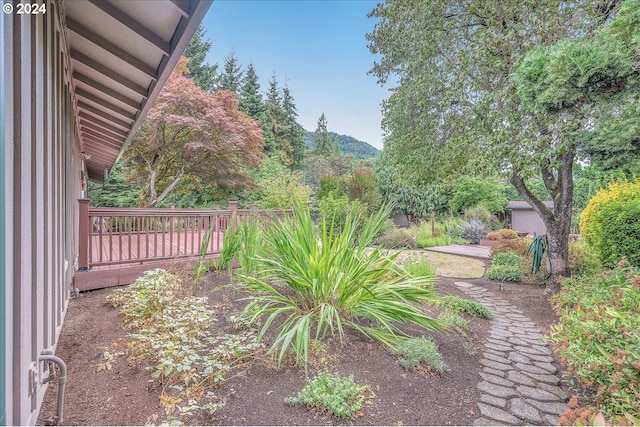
(124, 395)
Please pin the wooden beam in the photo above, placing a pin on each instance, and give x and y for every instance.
(89, 125)
(111, 48)
(87, 131)
(106, 104)
(104, 70)
(103, 124)
(132, 24)
(104, 115)
(107, 90)
(105, 146)
(182, 6)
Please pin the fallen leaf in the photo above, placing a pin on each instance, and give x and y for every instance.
(269, 392)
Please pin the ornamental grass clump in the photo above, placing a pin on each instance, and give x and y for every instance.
(315, 284)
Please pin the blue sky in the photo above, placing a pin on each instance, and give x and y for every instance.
(317, 47)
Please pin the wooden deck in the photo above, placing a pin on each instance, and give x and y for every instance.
(116, 245)
(112, 251)
(118, 260)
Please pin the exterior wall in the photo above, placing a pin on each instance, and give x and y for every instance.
(527, 220)
(41, 173)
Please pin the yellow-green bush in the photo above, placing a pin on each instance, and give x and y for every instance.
(610, 225)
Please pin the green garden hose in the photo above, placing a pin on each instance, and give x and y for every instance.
(538, 247)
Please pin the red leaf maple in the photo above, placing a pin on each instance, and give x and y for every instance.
(190, 132)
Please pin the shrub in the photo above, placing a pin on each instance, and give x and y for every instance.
(518, 246)
(582, 259)
(508, 258)
(505, 272)
(506, 266)
(481, 214)
(597, 338)
(335, 209)
(462, 305)
(415, 352)
(493, 235)
(328, 281)
(331, 184)
(502, 234)
(453, 229)
(338, 396)
(610, 223)
(419, 267)
(397, 239)
(474, 230)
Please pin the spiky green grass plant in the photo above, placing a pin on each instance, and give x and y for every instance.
(318, 284)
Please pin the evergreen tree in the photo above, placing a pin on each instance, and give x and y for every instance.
(231, 78)
(250, 98)
(277, 126)
(203, 74)
(296, 132)
(325, 146)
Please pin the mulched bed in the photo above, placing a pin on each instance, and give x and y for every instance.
(124, 395)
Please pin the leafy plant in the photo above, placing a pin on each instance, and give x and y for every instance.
(415, 352)
(505, 273)
(331, 393)
(396, 239)
(419, 267)
(463, 305)
(506, 266)
(598, 341)
(172, 334)
(453, 319)
(582, 259)
(474, 230)
(327, 281)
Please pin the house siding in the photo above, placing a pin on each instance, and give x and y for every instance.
(41, 171)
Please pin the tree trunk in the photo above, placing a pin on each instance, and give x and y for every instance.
(558, 220)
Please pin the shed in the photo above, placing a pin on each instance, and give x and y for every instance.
(522, 217)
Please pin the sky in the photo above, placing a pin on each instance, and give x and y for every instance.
(317, 47)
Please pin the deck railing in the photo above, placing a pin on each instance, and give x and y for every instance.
(110, 236)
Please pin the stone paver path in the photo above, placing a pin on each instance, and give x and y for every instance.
(519, 385)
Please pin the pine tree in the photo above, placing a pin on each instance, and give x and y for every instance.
(231, 78)
(325, 146)
(203, 74)
(296, 132)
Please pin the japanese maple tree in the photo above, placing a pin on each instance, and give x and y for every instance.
(190, 134)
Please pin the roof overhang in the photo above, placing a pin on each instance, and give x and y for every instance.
(121, 53)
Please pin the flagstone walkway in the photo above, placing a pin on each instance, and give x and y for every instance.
(519, 384)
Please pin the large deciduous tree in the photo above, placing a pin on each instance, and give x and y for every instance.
(456, 107)
(189, 132)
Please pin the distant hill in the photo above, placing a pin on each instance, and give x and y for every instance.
(348, 145)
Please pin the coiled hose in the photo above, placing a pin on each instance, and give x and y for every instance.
(537, 248)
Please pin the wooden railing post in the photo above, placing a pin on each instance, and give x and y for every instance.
(84, 234)
(233, 208)
(172, 224)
